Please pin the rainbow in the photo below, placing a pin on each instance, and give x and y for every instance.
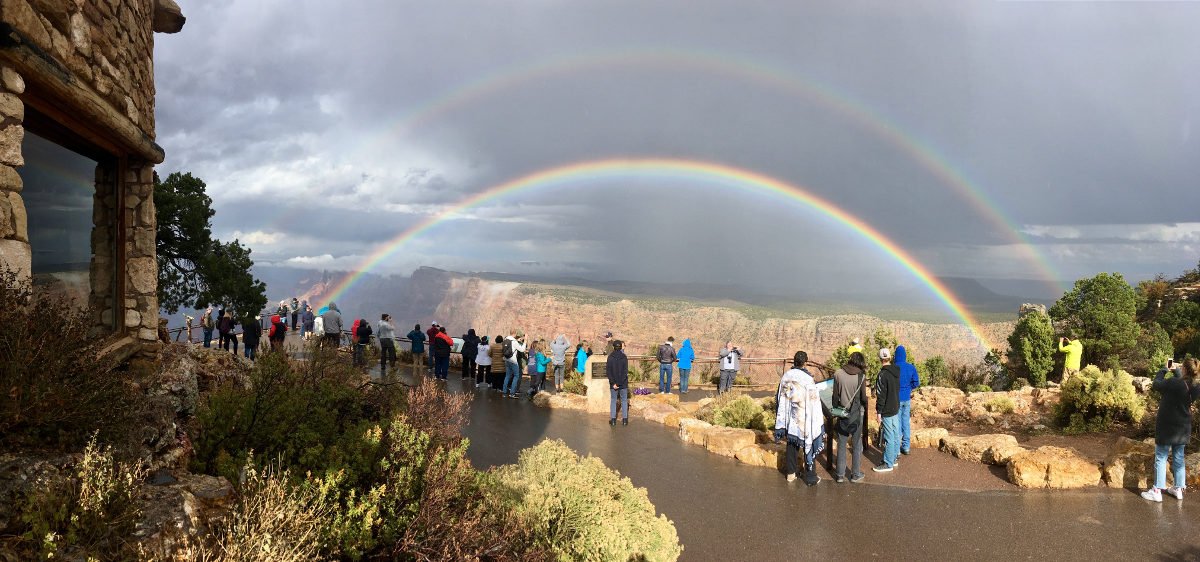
(707, 172)
(753, 71)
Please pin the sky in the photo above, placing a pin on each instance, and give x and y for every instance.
(1030, 140)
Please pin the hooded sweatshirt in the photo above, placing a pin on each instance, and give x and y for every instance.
(251, 332)
(418, 340)
(332, 320)
(909, 379)
(278, 330)
(686, 354)
(470, 348)
(845, 380)
(887, 391)
(581, 358)
(442, 344)
(558, 349)
(1173, 426)
(617, 369)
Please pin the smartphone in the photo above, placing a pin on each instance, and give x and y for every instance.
(1170, 364)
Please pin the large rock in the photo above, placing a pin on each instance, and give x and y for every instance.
(541, 400)
(1142, 384)
(598, 396)
(658, 412)
(767, 455)
(727, 441)
(1130, 464)
(1052, 467)
(672, 420)
(568, 401)
(992, 448)
(694, 431)
(928, 438)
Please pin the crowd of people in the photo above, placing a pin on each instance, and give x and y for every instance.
(501, 362)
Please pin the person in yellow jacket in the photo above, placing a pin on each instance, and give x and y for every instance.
(1074, 350)
(854, 347)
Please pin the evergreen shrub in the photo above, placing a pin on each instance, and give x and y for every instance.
(1093, 400)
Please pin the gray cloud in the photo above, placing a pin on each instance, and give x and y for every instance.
(355, 122)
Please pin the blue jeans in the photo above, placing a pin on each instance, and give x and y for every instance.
(683, 379)
(512, 378)
(905, 428)
(613, 394)
(250, 351)
(1175, 452)
(664, 377)
(441, 367)
(891, 439)
(208, 337)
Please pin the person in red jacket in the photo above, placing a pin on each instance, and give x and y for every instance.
(430, 334)
(276, 335)
(442, 344)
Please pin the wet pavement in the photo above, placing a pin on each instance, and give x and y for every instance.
(727, 511)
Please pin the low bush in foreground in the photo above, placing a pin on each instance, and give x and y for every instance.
(579, 509)
(1093, 400)
(1000, 405)
(574, 385)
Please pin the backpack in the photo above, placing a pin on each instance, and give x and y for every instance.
(354, 330)
(508, 348)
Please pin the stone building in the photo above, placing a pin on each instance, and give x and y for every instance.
(77, 153)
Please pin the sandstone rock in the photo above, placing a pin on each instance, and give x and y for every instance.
(568, 401)
(15, 254)
(928, 438)
(541, 400)
(694, 431)
(672, 420)
(1052, 467)
(168, 18)
(20, 15)
(12, 81)
(10, 145)
(727, 441)
(1192, 462)
(765, 455)
(10, 180)
(1130, 464)
(11, 107)
(979, 448)
(143, 275)
(658, 412)
(133, 318)
(20, 219)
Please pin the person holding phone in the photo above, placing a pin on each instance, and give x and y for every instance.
(1173, 427)
(1071, 346)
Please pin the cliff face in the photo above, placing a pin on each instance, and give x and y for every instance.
(495, 307)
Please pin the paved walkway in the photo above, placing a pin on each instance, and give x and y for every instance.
(727, 511)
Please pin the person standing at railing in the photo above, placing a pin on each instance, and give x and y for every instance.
(470, 353)
(581, 357)
(666, 362)
(332, 320)
(513, 348)
(225, 328)
(387, 344)
(295, 313)
(617, 369)
(887, 409)
(206, 325)
(850, 395)
(363, 334)
(910, 380)
(277, 333)
(441, 346)
(417, 337)
(686, 355)
(558, 354)
(251, 336)
(730, 357)
(483, 363)
(307, 320)
(430, 335)
(538, 361)
(800, 421)
(496, 381)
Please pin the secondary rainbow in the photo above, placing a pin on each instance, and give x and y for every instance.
(755, 72)
(708, 172)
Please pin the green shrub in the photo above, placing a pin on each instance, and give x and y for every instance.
(1031, 347)
(1093, 400)
(978, 388)
(574, 385)
(580, 509)
(55, 389)
(1018, 384)
(742, 412)
(95, 507)
(1000, 405)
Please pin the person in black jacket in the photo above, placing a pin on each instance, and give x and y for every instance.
(617, 369)
(251, 335)
(470, 349)
(1173, 427)
(225, 328)
(887, 409)
(364, 339)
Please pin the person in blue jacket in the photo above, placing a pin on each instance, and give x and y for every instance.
(417, 337)
(685, 356)
(909, 381)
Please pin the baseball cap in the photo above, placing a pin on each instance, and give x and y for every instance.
(857, 341)
(434, 323)
(885, 354)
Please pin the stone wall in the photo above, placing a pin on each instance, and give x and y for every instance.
(105, 44)
(14, 228)
(141, 266)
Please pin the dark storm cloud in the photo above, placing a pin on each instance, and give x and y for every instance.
(352, 119)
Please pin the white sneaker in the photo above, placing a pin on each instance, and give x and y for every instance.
(1152, 495)
(792, 478)
(1177, 493)
(886, 468)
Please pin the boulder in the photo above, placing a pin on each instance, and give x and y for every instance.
(765, 455)
(727, 441)
(1130, 464)
(1142, 384)
(541, 400)
(598, 396)
(658, 412)
(928, 438)
(985, 448)
(1052, 467)
(568, 401)
(672, 420)
(694, 431)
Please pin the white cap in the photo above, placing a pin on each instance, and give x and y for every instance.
(434, 323)
(885, 354)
